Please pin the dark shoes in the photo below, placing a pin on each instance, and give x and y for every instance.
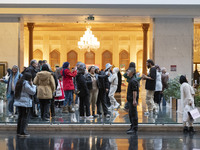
(131, 131)
(190, 130)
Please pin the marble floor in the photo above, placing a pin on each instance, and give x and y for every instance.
(100, 141)
(166, 114)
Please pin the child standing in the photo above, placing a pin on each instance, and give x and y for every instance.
(60, 97)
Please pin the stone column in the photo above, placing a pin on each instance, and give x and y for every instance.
(145, 28)
(30, 28)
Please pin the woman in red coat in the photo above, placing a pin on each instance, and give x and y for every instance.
(68, 86)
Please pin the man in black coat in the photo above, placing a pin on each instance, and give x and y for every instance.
(103, 88)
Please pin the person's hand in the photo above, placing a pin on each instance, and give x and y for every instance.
(107, 90)
(108, 74)
(134, 103)
(75, 68)
(190, 104)
(144, 76)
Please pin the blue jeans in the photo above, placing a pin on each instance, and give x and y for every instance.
(11, 102)
(68, 97)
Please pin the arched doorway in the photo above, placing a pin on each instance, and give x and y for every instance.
(106, 58)
(38, 55)
(90, 58)
(72, 58)
(54, 59)
(139, 61)
(124, 59)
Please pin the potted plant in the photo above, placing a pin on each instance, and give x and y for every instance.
(197, 97)
(2, 95)
(172, 93)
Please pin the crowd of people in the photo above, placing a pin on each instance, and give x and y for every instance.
(38, 86)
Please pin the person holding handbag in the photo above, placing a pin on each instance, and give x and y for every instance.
(187, 97)
(59, 96)
(23, 100)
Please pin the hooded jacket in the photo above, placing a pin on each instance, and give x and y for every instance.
(25, 99)
(67, 79)
(114, 78)
(45, 85)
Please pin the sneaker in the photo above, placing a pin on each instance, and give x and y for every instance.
(89, 117)
(76, 106)
(111, 107)
(107, 115)
(81, 118)
(45, 119)
(117, 105)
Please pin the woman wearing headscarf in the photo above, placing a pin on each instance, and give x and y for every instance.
(68, 86)
(187, 97)
(12, 81)
(45, 83)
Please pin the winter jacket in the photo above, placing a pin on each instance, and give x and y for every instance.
(82, 86)
(114, 78)
(67, 79)
(187, 93)
(103, 81)
(88, 77)
(45, 85)
(25, 99)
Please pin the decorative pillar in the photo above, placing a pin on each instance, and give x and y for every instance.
(145, 28)
(30, 28)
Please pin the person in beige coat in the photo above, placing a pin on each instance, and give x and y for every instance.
(45, 87)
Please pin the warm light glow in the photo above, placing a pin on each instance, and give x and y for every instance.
(88, 41)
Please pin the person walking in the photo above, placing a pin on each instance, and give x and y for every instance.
(187, 97)
(83, 93)
(23, 92)
(68, 86)
(113, 88)
(132, 97)
(150, 87)
(11, 85)
(45, 83)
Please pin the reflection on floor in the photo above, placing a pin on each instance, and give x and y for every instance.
(166, 114)
(100, 141)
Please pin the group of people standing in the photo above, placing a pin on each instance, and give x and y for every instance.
(39, 86)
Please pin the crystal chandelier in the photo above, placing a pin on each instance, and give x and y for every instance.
(88, 41)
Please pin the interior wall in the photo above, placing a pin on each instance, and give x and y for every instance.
(65, 41)
(173, 45)
(9, 41)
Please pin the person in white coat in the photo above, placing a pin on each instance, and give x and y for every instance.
(187, 97)
(113, 88)
(158, 89)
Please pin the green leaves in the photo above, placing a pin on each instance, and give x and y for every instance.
(173, 89)
(2, 91)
